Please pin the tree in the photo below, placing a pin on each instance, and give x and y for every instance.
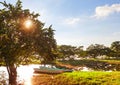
(65, 51)
(107, 51)
(95, 50)
(80, 52)
(115, 46)
(19, 40)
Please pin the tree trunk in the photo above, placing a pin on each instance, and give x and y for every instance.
(12, 71)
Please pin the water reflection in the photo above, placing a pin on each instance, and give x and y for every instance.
(25, 73)
(3, 76)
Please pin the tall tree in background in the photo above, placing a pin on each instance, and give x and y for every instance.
(66, 51)
(80, 51)
(21, 35)
(96, 50)
(115, 46)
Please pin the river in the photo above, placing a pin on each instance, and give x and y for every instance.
(25, 73)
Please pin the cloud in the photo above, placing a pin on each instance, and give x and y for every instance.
(116, 33)
(71, 21)
(106, 10)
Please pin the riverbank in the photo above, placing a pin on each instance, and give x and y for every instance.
(78, 78)
(86, 72)
(94, 64)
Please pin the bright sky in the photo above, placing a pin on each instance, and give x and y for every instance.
(79, 22)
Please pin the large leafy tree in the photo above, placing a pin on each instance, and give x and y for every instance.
(115, 46)
(96, 50)
(18, 39)
(65, 51)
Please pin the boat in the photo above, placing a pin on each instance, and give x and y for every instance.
(48, 70)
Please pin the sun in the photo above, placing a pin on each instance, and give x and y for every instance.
(28, 24)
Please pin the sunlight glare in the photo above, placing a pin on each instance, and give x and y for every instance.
(28, 24)
(25, 74)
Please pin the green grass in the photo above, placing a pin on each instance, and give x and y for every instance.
(111, 61)
(87, 78)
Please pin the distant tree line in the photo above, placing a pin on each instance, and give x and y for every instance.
(92, 51)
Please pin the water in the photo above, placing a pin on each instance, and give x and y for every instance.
(25, 73)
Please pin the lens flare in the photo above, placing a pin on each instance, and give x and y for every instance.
(28, 24)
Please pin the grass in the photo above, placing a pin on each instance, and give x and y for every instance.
(87, 78)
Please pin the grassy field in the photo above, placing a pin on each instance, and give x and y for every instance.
(86, 78)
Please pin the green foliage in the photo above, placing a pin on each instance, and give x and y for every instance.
(65, 51)
(96, 50)
(18, 43)
(87, 78)
(115, 46)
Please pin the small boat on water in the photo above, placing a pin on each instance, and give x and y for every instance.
(50, 70)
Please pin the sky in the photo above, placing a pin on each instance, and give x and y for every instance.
(79, 22)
